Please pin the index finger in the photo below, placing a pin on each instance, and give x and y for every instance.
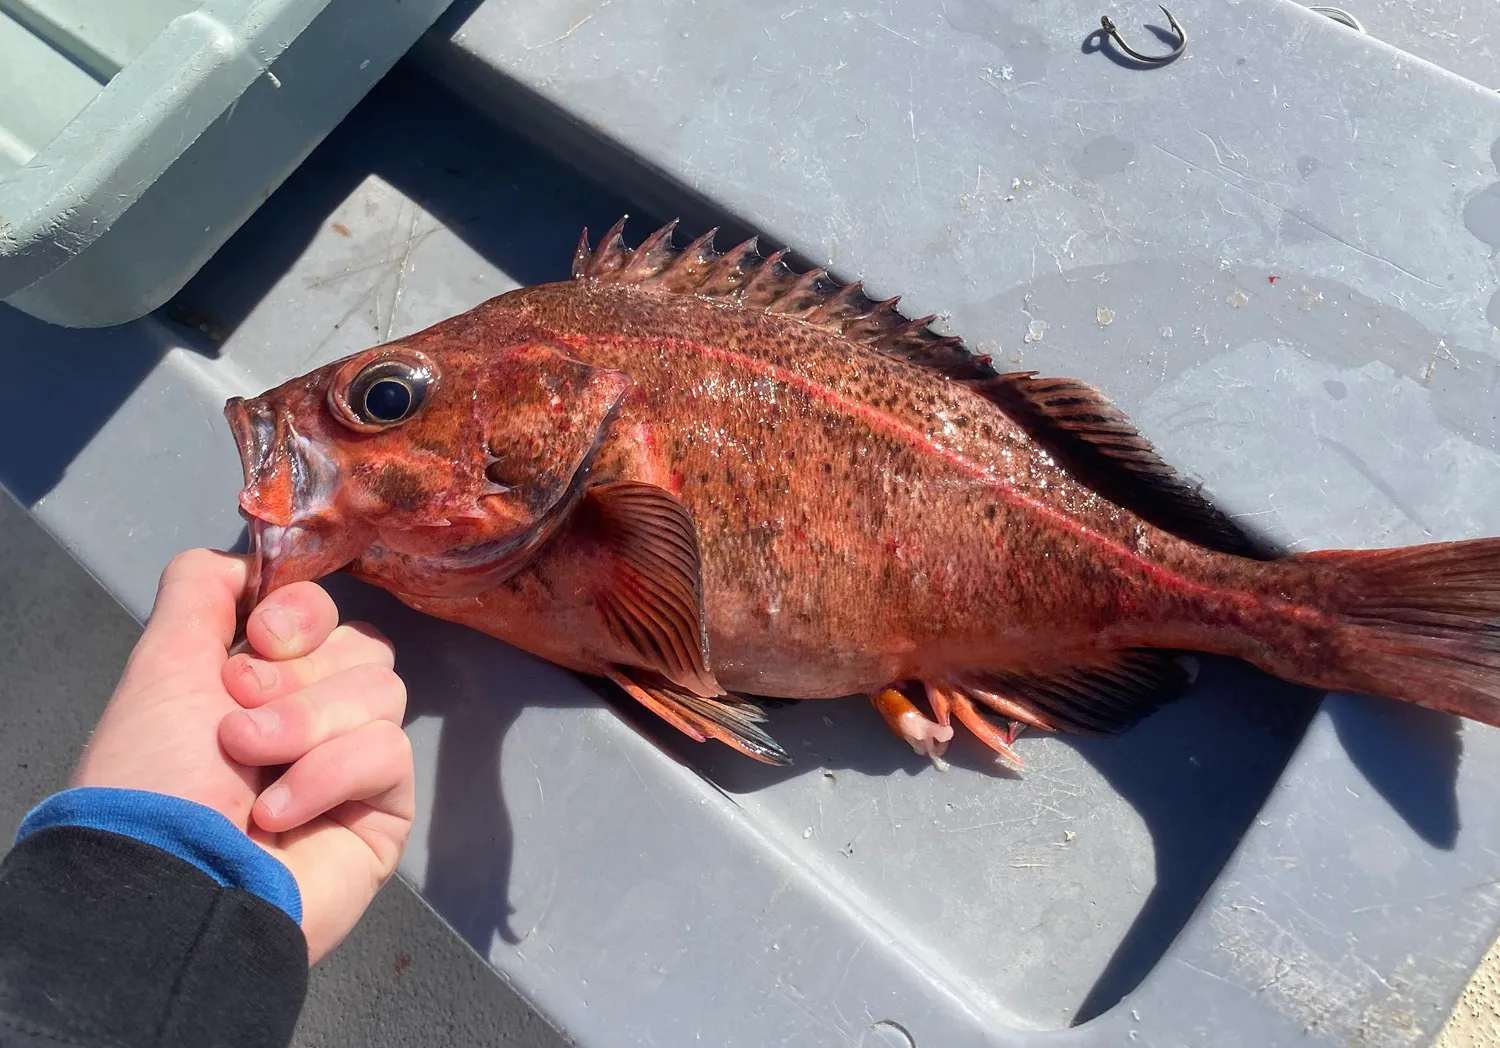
(197, 598)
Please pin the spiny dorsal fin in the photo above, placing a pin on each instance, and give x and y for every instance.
(745, 278)
(1072, 420)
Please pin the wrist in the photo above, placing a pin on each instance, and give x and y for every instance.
(194, 833)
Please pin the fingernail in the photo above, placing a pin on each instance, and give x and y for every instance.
(275, 799)
(266, 722)
(262, 675)
(279, 623)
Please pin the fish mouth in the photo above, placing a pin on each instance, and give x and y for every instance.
(288, 502)
(253, 425)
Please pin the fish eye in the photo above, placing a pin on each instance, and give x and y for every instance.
(387, 400)
(383, 393)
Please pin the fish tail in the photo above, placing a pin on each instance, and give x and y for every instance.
(1419, 623)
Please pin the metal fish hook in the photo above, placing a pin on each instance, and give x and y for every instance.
(1338, 14)
(1114, 34)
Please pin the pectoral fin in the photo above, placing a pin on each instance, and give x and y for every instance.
(649, 585)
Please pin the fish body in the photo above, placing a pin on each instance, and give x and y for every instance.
(707, 477)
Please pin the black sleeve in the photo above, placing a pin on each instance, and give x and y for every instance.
(106, 941)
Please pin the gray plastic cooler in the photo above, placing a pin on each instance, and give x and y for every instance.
(136, 135)
(1275, 253)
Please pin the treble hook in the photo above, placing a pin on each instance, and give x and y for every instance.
(1114, 34)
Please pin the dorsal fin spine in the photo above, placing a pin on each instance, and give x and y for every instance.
(1065, 416)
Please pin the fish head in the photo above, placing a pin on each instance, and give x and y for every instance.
(450, 460)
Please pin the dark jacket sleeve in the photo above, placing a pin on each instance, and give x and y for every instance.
(109, 941)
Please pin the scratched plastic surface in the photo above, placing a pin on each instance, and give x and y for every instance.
(1298, 309)
(1184, 885)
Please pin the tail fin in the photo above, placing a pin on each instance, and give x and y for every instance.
(1419, 623)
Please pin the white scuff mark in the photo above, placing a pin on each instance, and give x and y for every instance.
(903, 36)
(542, 914)
(911, 116)
(1321, 993)
(1237, 299)
(1296, 215)
(411, 240)
(572, 28)
(1440, 353)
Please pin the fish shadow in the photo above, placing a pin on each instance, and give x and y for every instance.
(1410, 756)
(1197, 771)
(476, 687)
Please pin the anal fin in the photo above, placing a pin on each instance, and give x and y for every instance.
(1105, 696)
(733, 721)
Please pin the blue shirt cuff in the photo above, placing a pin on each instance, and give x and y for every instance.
(193, 832)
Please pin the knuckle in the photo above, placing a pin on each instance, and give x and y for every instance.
(189, 564)
(393, 739)
(379, 685)
(301, 717)
(369, 641)
(189, 561)
(368, 631)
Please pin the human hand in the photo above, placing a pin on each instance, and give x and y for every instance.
(190, 721)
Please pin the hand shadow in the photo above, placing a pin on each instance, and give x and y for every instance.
(476, 687)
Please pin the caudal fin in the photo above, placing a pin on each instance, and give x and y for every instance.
(1419, 623)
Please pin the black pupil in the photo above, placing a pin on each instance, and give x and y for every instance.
(388, 400)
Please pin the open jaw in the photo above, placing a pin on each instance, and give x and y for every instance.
(286, 502)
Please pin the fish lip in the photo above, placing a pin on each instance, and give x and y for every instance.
(255, 439)
(253, 424)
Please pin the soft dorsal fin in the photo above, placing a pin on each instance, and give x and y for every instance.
(1094, 441)
(1073, 421)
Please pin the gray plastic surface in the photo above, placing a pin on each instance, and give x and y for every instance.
(1215, 878)
(1454, 34)
(1277, 255)
(140, 152)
